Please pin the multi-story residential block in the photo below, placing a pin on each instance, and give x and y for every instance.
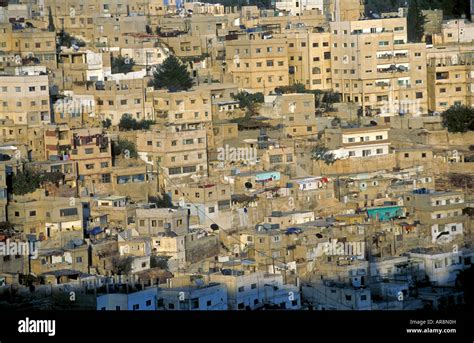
(440, 214)
(153, 221)
(309, 57)
(207, 202)
(25, 99)
(358, 142)
(258, 62)
(295, 7)
(450, 77)
(375, 67)
(211, 296)
(184, 110)
(47, 218)
(177, 153)
(91, 150)
(255, 290)
(295, 112)
(442, 267)
(23, 45)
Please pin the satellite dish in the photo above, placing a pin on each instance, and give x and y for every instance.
(248, 185)
(214, 227)
(319, 235)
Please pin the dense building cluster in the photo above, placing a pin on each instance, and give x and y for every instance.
(167, 155)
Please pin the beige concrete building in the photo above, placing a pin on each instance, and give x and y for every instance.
(258, 62)
(309, 57)
(47, 218)
(25, 99)
(375, 67)
(450, 77)
(22, 46)
(176, 153)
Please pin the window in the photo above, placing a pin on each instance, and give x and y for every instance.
(89, 151)
(32, 213)
(253, 286)
(65, 212)
(348, 297)
(105, 178)
(104, 164)
(148, 303)
(211, 209)
(241, 289)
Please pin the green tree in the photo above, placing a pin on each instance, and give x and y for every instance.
(415, 22)
(51, 27)
(458, 118)
(26, 181)
(107, 123)
(127, 123)
(122, 65)
(250, 102)
(172, 75)
(65, 39)
(159, 262)
(322, 153)
(123, 266)
(125, 148)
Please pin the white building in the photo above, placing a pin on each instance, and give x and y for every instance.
(359, 142)
(145, 300)
(255, 290)
(442, 268)
(337, 296)
(209, 297)
(296, 7)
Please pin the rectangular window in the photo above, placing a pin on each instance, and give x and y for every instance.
(65, 212)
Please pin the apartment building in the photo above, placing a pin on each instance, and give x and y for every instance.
(25, 99)
(442, 266)
(184, 110)
(46, 218)
(177, 153)
(152, 221)
(375, 67)
(80, 66)
(295, 112)
(208, 202)
(295, 7)
(440, 213)
(344, 10)
(455, 31)
(23, 45)
(89, 20)
(256, 290)
(309, 57)
(358, 141)
(91, 150)
(112, 100)
(258, 62)
(205, 297)
(450, 77)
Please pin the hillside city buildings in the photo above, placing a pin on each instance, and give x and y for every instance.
(307, 167)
